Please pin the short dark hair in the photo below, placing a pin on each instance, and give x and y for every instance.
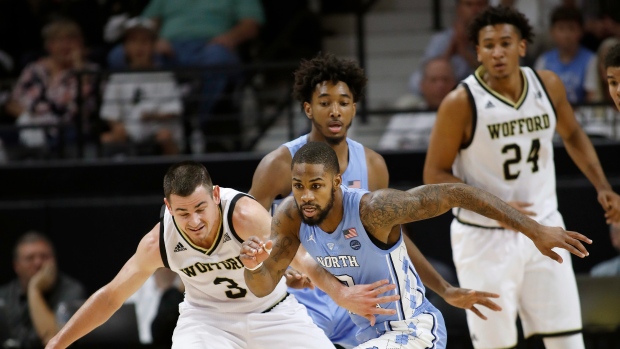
(183, 178)
(612, 59)
(30, 237)
(566, 14)
(327, 67)
(500, 15)
(317, 153)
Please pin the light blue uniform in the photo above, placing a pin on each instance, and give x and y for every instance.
(355, 257)
(331, 318)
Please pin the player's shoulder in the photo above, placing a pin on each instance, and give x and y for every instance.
(551, 82)
(457, 103)
(248, 212)
(287, 211)
(458, 96)
(275, 163)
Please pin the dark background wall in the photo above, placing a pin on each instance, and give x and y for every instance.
(96, 213)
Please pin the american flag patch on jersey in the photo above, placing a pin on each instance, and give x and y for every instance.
(349, 233)
(357, 184)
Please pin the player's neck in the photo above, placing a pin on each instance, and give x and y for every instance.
(511, 86)
(341, 149)
(335, 215)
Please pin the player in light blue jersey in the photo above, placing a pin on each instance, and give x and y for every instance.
(356, 236)
(328, 89)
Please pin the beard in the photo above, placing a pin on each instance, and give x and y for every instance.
(321, 214)
(332, 140)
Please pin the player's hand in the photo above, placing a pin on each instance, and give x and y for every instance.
(521, 207)
(546, 238)
(611, 204)
(468, 299)
(254, 251)
(365, 300)
(295, 279)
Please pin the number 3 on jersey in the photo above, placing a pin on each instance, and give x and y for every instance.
(515, 151)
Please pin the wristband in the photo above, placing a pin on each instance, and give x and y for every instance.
(256, 267)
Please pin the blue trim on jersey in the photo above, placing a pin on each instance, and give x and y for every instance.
(399, 304)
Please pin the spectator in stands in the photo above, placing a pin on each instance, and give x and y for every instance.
(610, 267)
(46, 91)
(204, 34)
(452, 44)
(574, 64)
(412, 130)
(142, 108)
(31, 302)
(157, 306)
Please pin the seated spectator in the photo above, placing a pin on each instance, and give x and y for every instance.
(574, 64)
(610, 267)
(46, 91)
(412, 130)
(452, 44)
(202, 34)
(157, 306)
(32, 301)
(142, 108)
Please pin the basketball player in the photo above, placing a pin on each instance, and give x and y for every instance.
(612, 66)
(328, 89)
(356, 235)
(495, 132)
(199, 236)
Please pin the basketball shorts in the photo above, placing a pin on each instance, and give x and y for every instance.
(285, 326)
(540, 290)
(425, 330)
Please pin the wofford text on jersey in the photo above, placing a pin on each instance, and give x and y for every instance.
(518, 126)
(229, 264)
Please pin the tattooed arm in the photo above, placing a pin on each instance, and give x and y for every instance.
(272, 257)
(382, 210)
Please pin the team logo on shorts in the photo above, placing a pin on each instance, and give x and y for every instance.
(356, 245)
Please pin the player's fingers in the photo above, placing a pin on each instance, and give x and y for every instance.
(370, 318)
(378, 283)
(523, 203)
(388, 299)
(489, 304)
(604, 202)
(384, 289)
(477, 312)
(381, 311)
(556, 257)
(577, 236)
(575, 247)
(487, 294)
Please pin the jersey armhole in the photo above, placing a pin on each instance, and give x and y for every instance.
(555, 113)
(162, 243)
(474, 115)
(231, 209)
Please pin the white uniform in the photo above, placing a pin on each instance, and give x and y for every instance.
(219, 311)
(511, 155)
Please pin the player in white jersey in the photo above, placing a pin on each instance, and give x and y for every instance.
(495, 132)
(371, 222)
(328, 89)
(199, 236)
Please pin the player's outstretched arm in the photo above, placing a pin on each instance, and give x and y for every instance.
(383, 209)
(358, 299)
(99, 307)
(267, 260)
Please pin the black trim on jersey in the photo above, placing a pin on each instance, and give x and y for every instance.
(276, 303)
(198, 248)
(517, 105)
(546, 94)
(231, 209)
(380, 244)
(474, 115)
(162, 242)
(555, 334)
(476, 225)
(400, 301)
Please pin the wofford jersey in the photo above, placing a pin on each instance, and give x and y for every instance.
(511, 150)
(213, 278)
